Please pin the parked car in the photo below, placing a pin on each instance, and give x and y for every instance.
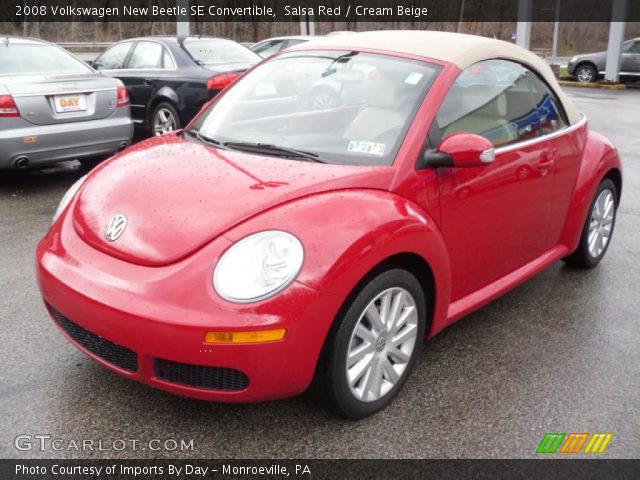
(270, 246)
(589, 67)
(54, 107)
(271, 46)
(169, 78)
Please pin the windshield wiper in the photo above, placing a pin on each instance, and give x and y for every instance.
(274, 150)
(203, 139)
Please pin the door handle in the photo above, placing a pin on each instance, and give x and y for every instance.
(546, 161)
(148, 81)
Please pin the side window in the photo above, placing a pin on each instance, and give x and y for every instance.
(114, 57)
(491, 99)
(635, 47)
(167, 61)
(550, 114)
(293, 42)
(146, 55)
(269, 48)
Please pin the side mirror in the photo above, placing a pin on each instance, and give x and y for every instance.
(90, 63)
(459, 150)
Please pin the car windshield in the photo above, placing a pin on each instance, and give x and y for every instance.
(38, 59)
(217, 52)
(338, 107)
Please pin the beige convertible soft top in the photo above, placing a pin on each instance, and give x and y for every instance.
(459, 49)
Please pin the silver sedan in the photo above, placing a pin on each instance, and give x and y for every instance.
(54, 107)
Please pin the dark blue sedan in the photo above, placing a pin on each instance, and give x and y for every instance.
(169, 78)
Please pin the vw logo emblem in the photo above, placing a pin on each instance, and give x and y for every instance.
(115, 227)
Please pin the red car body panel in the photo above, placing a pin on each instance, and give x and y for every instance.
(152, 292)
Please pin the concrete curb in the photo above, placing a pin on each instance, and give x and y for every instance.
(606, 86)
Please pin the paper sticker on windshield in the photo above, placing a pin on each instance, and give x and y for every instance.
(265, 89)
(413, 78)
(366, 147)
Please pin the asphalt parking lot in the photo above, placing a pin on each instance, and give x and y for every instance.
(558, 354)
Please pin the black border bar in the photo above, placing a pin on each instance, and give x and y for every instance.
(585, 469)
(358, 11)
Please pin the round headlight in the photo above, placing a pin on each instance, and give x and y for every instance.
(258, 266)
(67, 197)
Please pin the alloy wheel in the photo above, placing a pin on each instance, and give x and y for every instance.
(601, 223)
(585, 75)
(163, 122)
(381, 344)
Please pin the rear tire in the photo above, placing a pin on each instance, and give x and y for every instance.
(164, 119)
(598, 227)
(372, 346)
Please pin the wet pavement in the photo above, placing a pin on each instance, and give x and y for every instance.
(558, 354)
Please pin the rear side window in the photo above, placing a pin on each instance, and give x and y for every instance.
(38, 59)
(146, 55)
(294, 42)
(269, 48)
(114, 57)
(500, 100)
(167, 61)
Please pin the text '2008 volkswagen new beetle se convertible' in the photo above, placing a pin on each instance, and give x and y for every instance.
(278, 242)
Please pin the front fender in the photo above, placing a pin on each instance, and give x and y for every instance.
(347, 233)
(599, 157)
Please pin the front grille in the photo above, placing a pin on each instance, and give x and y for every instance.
(212, 378)
(110, 352)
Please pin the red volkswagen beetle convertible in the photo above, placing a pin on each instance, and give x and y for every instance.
(335, 205)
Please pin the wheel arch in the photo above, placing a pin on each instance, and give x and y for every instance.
(378, 229)
(164, 94)
(600, 160)
(615, 175)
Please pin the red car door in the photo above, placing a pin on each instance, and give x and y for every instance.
(495, 218)
(565, 151)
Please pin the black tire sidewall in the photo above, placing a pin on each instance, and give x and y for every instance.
(341, 398)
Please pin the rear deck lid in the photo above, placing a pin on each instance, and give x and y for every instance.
(50, 86)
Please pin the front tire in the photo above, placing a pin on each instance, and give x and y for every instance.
(164, 119)
(598, 228)
(586, 73)
(373, 345)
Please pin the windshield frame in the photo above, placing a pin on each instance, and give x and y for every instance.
(305, 50)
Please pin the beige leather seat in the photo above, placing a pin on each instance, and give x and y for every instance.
(378, 116)
(481, 116)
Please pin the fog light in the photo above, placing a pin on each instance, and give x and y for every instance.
(258, 336)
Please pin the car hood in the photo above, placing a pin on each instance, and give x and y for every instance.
(178, 195)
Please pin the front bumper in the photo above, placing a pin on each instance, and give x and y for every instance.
(44, 144)
(160, 316)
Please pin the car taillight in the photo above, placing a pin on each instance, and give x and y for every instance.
(218, 82)
(123, 97)
(8, 107)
